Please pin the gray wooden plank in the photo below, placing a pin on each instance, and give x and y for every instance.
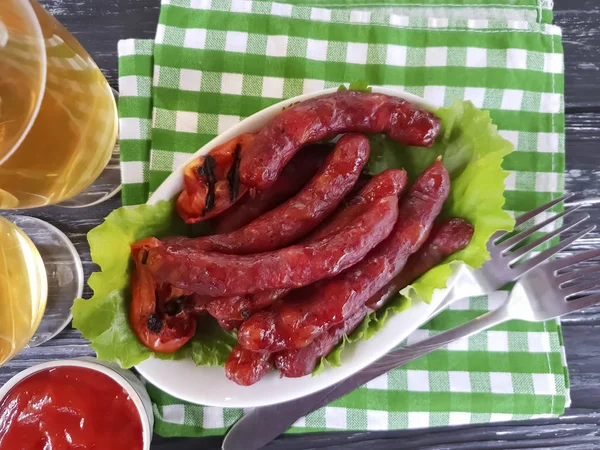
(579, 21)
(573, 432)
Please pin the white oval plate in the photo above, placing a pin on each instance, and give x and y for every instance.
(208, 385)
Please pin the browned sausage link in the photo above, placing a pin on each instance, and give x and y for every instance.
(389, 182)
(241, 307)
(293, 177)
(217, 274)
(446, 238)
(229, 325)
(307, 314)
(327, 116)
(231, 308)
(302, 213)
(245, 367)
(302, 361)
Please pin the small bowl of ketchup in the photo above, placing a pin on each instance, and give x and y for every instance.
(80, 403)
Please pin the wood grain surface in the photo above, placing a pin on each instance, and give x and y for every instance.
(98, 24)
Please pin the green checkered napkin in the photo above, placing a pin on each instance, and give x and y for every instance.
(215, 62)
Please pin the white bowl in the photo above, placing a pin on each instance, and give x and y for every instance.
(208, 385)
(125, 378)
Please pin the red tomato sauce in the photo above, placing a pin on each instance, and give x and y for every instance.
(67, 408)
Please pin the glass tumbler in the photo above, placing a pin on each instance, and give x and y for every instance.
(58, 146)
(58, 115)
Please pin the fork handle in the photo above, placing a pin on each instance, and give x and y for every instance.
(404, 355)
(400, 356)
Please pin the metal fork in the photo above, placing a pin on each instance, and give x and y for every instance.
(504, 265)
(543, 294)
(264, 424)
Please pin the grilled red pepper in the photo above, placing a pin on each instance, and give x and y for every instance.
(158, 313)
(212, 182)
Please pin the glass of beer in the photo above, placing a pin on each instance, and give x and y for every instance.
(40, 275)
(58, 116)
(58, 133)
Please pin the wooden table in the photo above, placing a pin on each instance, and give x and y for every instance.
(98, 24)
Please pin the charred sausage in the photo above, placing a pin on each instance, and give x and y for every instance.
(245, 367)
(294, 177)
(327, 116)
(309, 312)
(302, 361)
(389, 182)
(302, 213)
(216, 274)
(446, 238)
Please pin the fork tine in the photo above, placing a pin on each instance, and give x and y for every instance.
(547, 254)
(579, 257)
(583, 302)
(532, 245)
(581, 287)
(497, 235)
(576, 274)
(528, 216)
(511, 242)
(534, 212)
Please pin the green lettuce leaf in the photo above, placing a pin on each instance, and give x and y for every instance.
(103, 318)
(472, 151)
(358, 85)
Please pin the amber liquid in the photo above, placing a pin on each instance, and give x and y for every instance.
(23, 289)
(74, 133)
